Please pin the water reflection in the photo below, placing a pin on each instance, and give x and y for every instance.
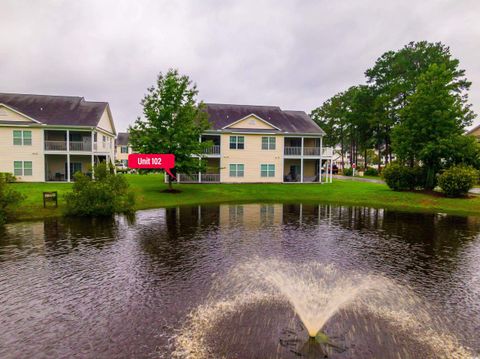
(120, 287)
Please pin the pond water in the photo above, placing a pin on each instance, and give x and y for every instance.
(242, 281)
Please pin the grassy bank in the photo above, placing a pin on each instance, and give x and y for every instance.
(148, 190)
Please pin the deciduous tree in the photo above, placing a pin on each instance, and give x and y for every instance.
(173, 122)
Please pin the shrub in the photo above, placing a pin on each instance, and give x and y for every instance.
(399, 177)
(7, 177)
(8, 199)
(370, 171)
(458, 180)
(348, 172)
(105, 195)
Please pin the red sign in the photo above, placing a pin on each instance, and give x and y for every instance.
(354, 166)
(167, 162)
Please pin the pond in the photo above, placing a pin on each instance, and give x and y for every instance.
(242, 281)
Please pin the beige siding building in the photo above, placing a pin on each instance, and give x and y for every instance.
(122, 149)
(254, 144)
(475, 132)
(49, 138)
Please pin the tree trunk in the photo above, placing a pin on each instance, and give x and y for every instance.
(386, 151)
(365, 160)
(379, 157)
(430, 180)
(170, 186)
(352, 152)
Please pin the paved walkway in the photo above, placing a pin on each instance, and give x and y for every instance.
(475, 190)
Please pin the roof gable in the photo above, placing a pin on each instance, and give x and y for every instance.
(12, 116)
(106, 122)
(474, 131)
(252, 121)
(222, 116)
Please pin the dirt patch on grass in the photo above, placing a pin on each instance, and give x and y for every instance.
(173, 191)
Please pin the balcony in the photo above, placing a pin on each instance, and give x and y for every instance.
(293, 151)
(55, 145)
(308, 151)
(73, 146)
(213, 150)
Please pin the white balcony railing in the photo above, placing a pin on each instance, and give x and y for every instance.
(55, 145)
(311, 151)
(193, 178)
(308, 151)
(62, 146)
(293, 151)
(210, 177)
(185, 178)
(80, 146)
(327, 151)
(213, 150)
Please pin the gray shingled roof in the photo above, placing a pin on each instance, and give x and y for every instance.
(221, 115)
(56, 110)
(122, 139)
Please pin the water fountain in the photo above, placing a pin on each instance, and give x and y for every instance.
(357, 305)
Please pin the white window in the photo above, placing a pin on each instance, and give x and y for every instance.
(22, 168)
(22, 138)
(237, 142)
(267, 170)
(124, 149)
(237, 170)
(268, 143)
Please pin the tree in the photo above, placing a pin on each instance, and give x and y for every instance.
(432, 121)
(173, 123)
(395, 76)
(346, 119)
(331, 117)
(9, 198)
(106, 195)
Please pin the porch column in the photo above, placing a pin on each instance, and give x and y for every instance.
(93, 159)
(68, 167)
(68, 140)
(320, 164)
(199, 172)
(331, 170)
(68, 155)
(301, 163)
(93, 164)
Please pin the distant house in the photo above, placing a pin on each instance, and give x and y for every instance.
(122, 149)
(262, 144)
(49, 138)
(475, 132)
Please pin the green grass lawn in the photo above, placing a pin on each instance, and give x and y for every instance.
(148, 189)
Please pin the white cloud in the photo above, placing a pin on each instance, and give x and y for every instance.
(294, 54)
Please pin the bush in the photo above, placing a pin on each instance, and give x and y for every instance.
(8, 199)
(105, 195)
(399, 177)
(7, 177)
(370, 171)
(348, 172)
(458, 180)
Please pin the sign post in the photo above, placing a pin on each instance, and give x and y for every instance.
(50, 196)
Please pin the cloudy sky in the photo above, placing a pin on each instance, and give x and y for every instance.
(294, 54)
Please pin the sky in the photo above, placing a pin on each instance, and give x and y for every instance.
(292, 54)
